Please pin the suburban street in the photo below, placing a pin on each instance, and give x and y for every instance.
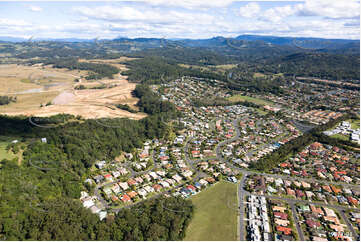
(240, 187)
(297, 222)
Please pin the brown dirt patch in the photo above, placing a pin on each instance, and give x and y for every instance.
(88, 103)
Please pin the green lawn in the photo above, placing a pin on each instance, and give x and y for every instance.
(237, 98)
(340, 136)
(260, 111)
(355, 123)
(215, 216)
(4, 154)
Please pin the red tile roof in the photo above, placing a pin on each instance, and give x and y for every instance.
(280, 215)
(285, 230)
(125, 198)
(313, 224)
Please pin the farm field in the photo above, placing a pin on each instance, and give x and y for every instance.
(36, 86)
(237, 98)
(215, 217)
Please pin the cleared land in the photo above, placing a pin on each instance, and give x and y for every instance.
(257, 74)
(113, 62)
(237, 98)
(36, 85)
(215, 216)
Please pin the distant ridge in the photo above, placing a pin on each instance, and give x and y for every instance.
(271, 39)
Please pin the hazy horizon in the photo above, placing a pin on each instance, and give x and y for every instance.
(185, 19)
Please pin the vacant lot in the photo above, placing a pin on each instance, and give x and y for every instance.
(35, 86)
(237, 98)
(19, 79)
(215, 216)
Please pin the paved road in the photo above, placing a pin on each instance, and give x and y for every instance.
(241, 208)
(297, 222)
(289, 200)
(100, 198)
(299, 179)
(241, 191)
(349, 225)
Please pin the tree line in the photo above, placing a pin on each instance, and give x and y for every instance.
(40, 198)
(296, 145)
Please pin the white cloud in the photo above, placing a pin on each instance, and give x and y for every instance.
(191, 4)
(276, 14)
(335, 9)
(35, 9)
(109, 13)
(13, 22)
(250, 10)
(331, 9)
(190, 20)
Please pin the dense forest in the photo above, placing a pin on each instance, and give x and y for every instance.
(152, 70)
(326, 66)
(39, 198)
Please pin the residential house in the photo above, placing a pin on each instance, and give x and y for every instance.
(100, 164)
(149, 188)
(125, 198)
(123, 185)
(142, 192)
(286, 231)
(132, 194)
(157, 187)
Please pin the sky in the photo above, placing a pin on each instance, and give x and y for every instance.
(179, 18)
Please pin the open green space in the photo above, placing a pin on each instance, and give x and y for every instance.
(257, 74)
(4, 154)
(237, 98)
(355, 123)
(260, 111)
(215, 216)
(340, 136)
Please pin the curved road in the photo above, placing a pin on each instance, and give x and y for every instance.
(241, 192)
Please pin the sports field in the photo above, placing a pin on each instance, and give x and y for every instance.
(237, 98)
(215, 216)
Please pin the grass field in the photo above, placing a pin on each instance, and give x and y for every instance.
(340, 136)
(237, 98)
(355, 123)
(4, 154)
(257, 74)
(215, 216)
